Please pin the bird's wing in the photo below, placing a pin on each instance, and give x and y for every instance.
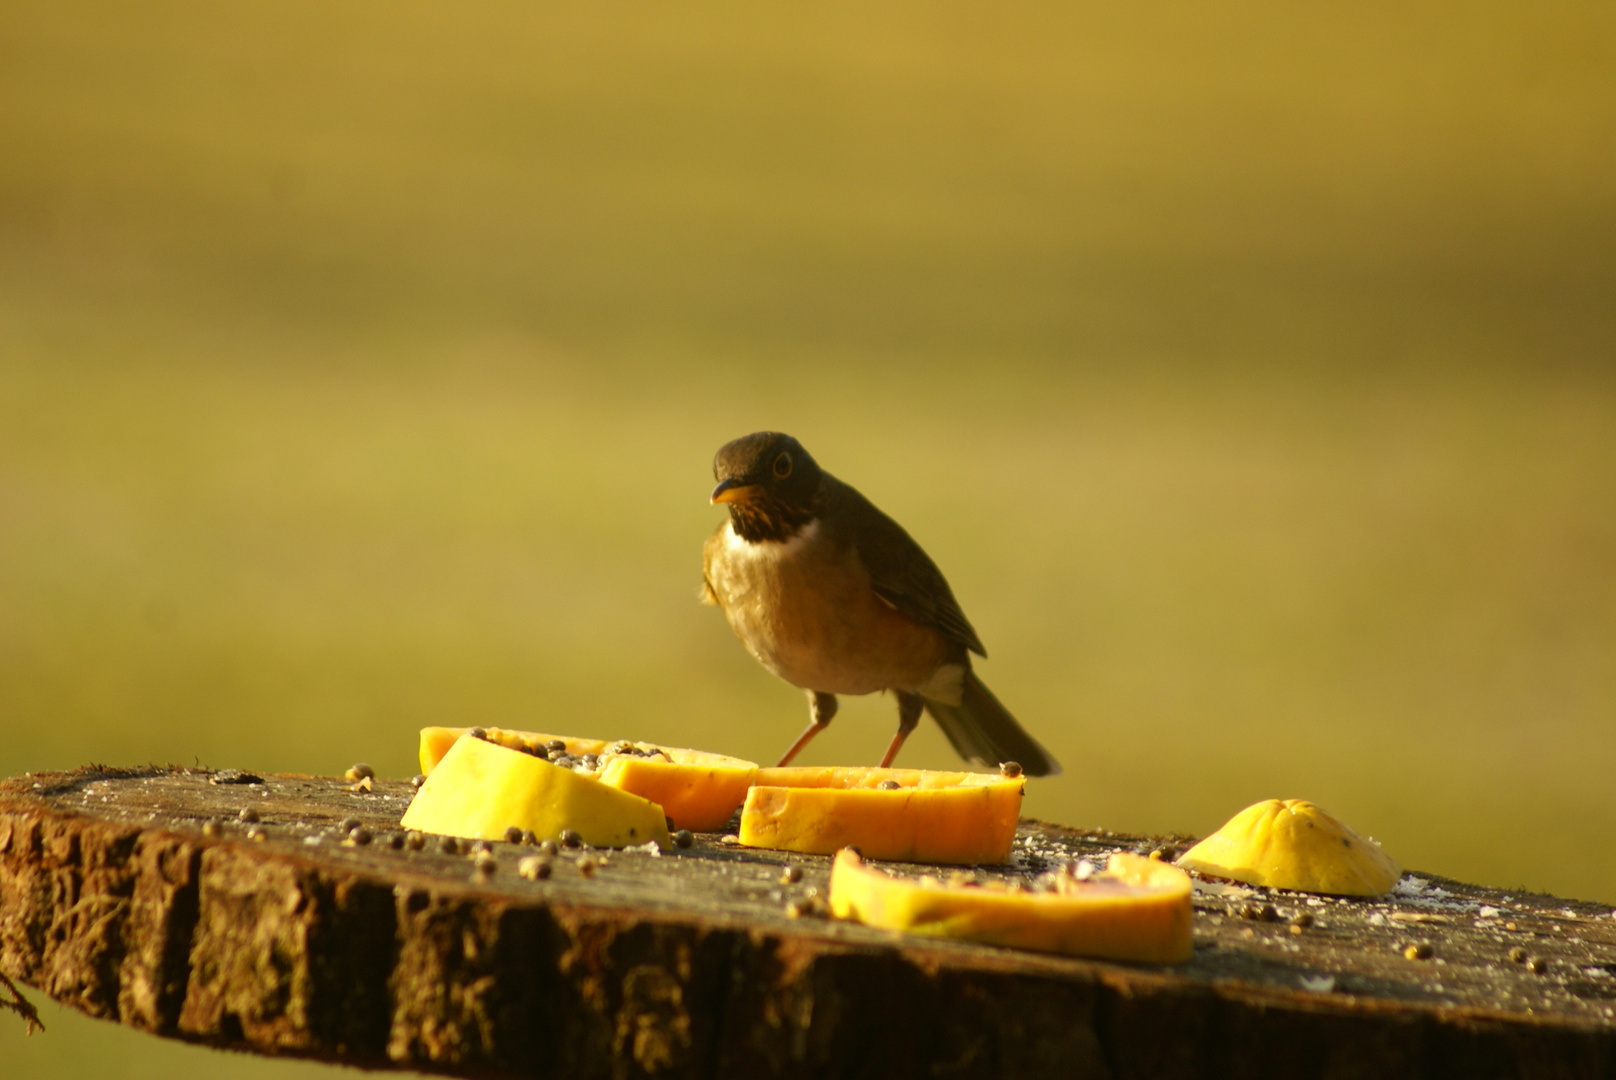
(900, 572)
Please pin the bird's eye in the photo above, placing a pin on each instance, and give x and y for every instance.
(782, 466)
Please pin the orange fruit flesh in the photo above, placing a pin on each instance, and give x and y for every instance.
(697, 789)
(1137, 910)
(933, 817)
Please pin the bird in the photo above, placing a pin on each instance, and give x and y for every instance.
(834, 597)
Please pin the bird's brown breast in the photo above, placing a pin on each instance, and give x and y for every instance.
(806, 609)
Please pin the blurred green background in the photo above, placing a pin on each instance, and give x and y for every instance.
(1248, 370)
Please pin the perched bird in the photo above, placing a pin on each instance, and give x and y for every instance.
(833, 596)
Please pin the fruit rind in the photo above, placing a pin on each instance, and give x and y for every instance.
(697, 789)
(1137, 910)
(480, 789)
(1293, 844)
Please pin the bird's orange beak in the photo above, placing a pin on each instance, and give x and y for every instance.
(730, 491)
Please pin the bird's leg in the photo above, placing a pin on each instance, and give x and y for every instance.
(822, 708)
(909, 707)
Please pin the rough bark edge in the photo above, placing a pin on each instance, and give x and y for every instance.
(279, 958)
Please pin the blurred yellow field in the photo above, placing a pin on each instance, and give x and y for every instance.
(1247, 372)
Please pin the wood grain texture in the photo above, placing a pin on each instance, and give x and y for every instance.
(112, 899)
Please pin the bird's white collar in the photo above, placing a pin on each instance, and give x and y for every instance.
(770, 549)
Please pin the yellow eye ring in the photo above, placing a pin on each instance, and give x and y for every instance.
(782, 466)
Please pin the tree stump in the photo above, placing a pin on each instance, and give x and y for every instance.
(142, 895)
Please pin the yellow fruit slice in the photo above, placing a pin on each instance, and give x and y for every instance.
(479, 789)
(1137, 909)
(935, 817)
(696, 789)
(1292, 844)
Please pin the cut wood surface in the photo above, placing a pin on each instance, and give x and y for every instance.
(115, 898)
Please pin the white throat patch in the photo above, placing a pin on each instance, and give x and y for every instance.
(769, 549)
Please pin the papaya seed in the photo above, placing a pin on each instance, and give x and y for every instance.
(534, 868)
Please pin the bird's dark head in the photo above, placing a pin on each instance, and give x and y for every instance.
(770, 483)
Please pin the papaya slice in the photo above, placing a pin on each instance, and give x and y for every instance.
(1137, 909)
(1292, 844)
(480, 789)
(698, 790)
(904, 815)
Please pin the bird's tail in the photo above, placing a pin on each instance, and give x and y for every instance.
(983, 731)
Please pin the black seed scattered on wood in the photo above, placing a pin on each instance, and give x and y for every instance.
(1302, 918)
(1420, 951)
(395, 841)
(235, 776)
(1537, 965)
(348, 825)
(359, 771)
(534, 868)
(481, 847)
(213, 827)
(683, 838)
(513, 835)
(548, 847)
(791, 875)
(248, 814)
(570, 838)
(587, 865)
(1517, 955)
(415, 841)
(449, 845)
